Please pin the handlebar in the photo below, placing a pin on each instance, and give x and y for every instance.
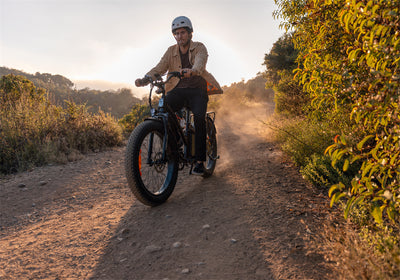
(158, 81)
(176, 74)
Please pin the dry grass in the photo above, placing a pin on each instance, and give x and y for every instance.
(35, 132)
(354, 255)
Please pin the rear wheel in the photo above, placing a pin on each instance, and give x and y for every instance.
(212, 155)
(150, 178)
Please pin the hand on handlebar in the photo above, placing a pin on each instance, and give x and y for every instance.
(142, 82)
(184, 73)
(187, 72)
(138, 82)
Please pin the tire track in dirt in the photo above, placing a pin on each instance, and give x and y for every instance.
(253, 219)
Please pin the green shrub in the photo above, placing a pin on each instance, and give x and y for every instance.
(136, 116)
(350, 53)
(320, 171)
(300, 138)
(305, 142)
(34, 132)
(290, 99)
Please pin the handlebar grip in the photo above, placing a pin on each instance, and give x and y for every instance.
(175, 74)
(143, 82)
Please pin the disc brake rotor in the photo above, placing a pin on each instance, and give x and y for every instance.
(159, 166)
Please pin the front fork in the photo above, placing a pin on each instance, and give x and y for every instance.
(164, 118)
(165, 140)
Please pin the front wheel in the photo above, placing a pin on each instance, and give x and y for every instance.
(212, 155)
(151, 177)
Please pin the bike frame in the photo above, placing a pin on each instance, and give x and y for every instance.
(163, 114)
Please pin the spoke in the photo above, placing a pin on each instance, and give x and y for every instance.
(153, 170)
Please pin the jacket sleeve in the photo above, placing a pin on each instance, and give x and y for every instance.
(162, 66)
(200, 59)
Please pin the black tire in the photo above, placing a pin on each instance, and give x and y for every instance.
(212, 152)
(151, 182)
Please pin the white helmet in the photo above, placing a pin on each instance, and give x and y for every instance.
(180, 22)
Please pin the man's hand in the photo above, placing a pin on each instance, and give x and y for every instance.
(138, 83)
(142, 82)
(187, 72)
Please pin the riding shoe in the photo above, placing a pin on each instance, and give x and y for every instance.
(198, 169)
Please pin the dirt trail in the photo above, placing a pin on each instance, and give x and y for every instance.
(252, 220)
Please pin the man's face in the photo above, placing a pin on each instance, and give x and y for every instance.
(182, 36)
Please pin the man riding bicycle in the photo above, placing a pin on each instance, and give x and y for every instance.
(189, 58)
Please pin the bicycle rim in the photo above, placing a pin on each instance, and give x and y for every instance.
(153, 170)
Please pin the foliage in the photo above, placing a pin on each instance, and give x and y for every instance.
(320, 172)
(282, 57)
(135, 117)
(300, 138)
(34, 132)
(350, 51)
(290, 99)
(349, 57)
(303, 138)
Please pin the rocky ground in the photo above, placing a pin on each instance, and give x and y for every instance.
(255, 218)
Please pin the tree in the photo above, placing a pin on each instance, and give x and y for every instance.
(282, 57)
(280, 63)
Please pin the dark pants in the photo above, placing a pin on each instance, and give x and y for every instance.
(196, 100)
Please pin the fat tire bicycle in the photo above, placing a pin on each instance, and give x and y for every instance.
(162, 145)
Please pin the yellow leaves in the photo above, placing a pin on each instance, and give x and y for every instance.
(347, 20)
(374, 9)
(393, 159)
(335, 192)
(350, 58)
(346, 165)
(377, 213)
(353, 55)
(361, 144)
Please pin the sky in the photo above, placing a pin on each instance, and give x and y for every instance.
(113, 42)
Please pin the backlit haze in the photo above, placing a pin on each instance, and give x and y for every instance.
(107, 44)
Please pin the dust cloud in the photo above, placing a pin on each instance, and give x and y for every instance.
(243, 124)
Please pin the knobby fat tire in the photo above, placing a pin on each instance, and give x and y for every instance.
(133, 172)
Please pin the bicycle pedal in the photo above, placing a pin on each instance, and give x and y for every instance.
(214, 158)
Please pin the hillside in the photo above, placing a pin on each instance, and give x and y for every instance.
(117, 103)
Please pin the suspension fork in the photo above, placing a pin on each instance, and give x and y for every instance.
(165, 140)
(164, 118)
(151, 138)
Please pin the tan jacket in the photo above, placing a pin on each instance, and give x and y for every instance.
(171, 61)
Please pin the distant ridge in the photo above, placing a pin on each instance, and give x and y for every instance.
(116, 102)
